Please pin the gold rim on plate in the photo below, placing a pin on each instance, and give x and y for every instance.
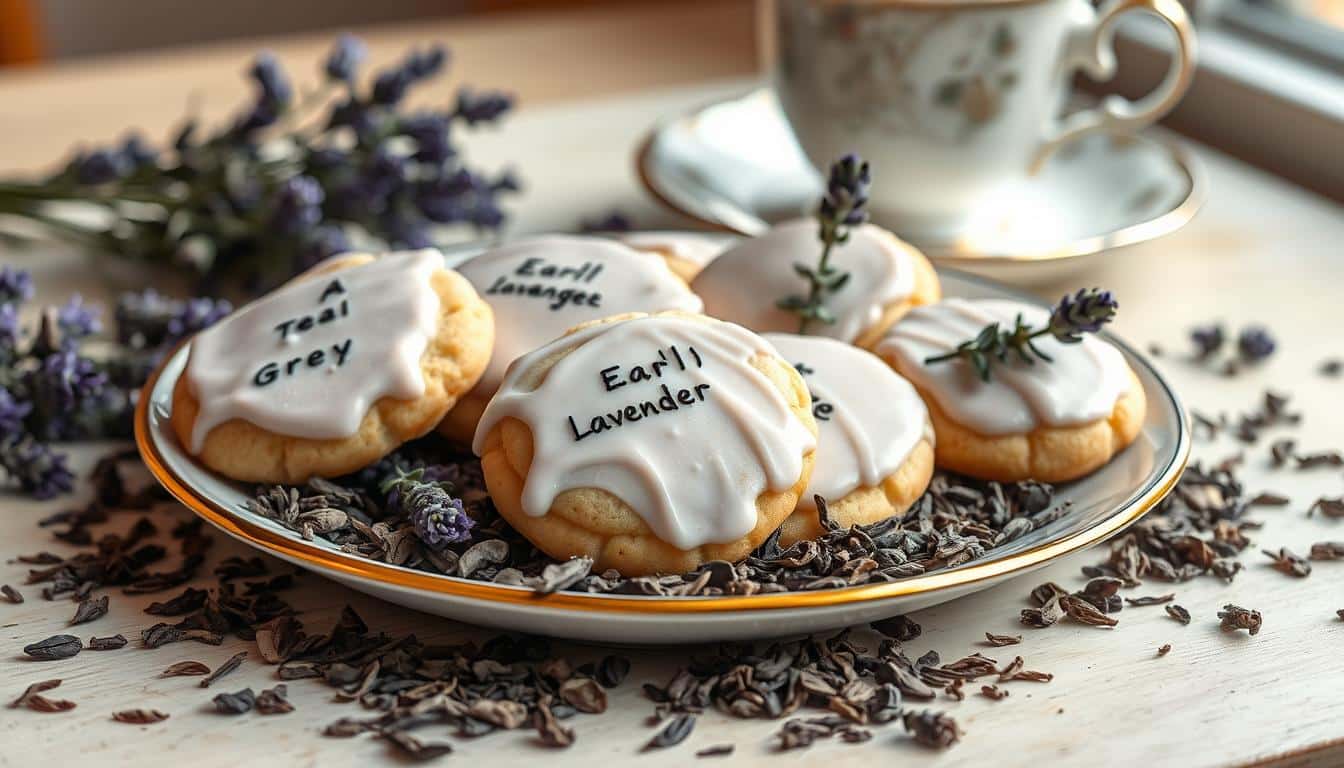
(960, 254)
(350, 565)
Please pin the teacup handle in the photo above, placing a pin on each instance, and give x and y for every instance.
(1090, 48)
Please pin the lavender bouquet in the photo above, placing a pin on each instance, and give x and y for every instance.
(291, 179)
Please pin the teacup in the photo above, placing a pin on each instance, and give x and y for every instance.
(954, 102)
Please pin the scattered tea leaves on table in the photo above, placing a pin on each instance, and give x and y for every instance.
(11, 594)
(1285, 561)
(612, 670)
(718, 750)
(902, 628)
(998, 641)
(236, 703)
(1138, 602)
(229, 665)
(1327, 550)
(54, 648)
(33, 699)
(139, 716)
(1178, 613)
(185, 669)
(931, 729)
(110, 643)
(89, 609)
(1234, 617)
(993, 692)
(1269, 499)
(274, 701)
(1330, 507)
(1164, 649)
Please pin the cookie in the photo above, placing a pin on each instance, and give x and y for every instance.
(1049, 421)
(333, 370)
(887, 277)
(650, 443)
(686, 253)
(874, 444)
(541, 286)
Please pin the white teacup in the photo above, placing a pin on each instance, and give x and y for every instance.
(954, 102)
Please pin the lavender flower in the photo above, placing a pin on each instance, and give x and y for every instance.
(482, 107)
(10, 331)
(194, 315)
(612, 221)
(1208, 339)
(272, 80)
(343, 62)
(424, 64)
(66, 379)
(77, 319)
(1255, 344)
(1084, 312)
(40, 472)
(298, 205)
(101, 166)
(431, 133)
(136, 153)
(844, 205)
(16, 286)
(389, 87)
(438, 517)
(12, 414)
(326, 241)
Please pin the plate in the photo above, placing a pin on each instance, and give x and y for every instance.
(735, 165)
(1102, 505)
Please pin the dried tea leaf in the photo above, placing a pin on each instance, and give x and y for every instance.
(931, 729)
(237, 703)
(11, 594)
(39, 703)
(1178, 613)
(139, 716)
(902, 628)
(1235, 617)
(185, 669)
(1269, 499)
(1164, 649)
(998, 641)
(612, 670)
(481, 554)
(1285, 561)
(993, 692)
(90, 609)
(1085, 613)
(1327, 550)
(549, 730)
(417, 749)
(111, 643)
(1151, 600)
(584, 694)
(232, 663)
(33, 690)
(672, 734)
(558, 576)
(274, 701)
(501, 714)
(717, 750)
(54, 648)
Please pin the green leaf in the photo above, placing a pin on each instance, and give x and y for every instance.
(948, 93)
(792, 303)
(838, 282)
(823, 313)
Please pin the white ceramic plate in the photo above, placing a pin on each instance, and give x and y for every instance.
(1102, 505)
(736, 165)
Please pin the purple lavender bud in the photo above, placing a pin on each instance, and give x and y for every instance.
(12, 414)
(16, 285)
(41, 473)
(136, 152)
(1208, 339)
(343, 62)
(482, 107)
(10, 330)
(439, 519)
(448, 199)
(298, 205)
(142, 318)
(99, 167)
(271, 78)
(66, 380)
(186, 136)
(1084, 312)
(847, 190)
(421, 65)
(196, 315)
(404, 232)
(430, 132)
(77, 319)
(323, 243)
(486, 213)
(1255, 344)
(614, 221)
(327, 158)
(390, 86)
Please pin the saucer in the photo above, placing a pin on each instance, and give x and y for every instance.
(735, 165)
(1099, 506)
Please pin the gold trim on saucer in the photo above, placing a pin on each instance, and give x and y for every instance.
(961, 254)
(238, 526)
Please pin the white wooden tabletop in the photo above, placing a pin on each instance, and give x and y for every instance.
(1260, 251)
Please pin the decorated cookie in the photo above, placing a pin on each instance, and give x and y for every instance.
(686, 253)
(334, 370)
(874, 442)
(650, 443)
(1051, 420)
(886, 278)
(541, 286)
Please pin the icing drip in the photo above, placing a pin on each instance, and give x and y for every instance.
(869, 418)
(678, 245)
(665, 413)
(540, 287)
(1081, 385)
(744, 282)
(311, 358)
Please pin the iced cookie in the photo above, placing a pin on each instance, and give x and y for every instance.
(686, 253)
(650, 443)
(541, 286)
(1049, 421)
(874, 442)
(886, 278)
(333, 370)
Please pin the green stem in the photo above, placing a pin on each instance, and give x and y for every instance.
(814, 290)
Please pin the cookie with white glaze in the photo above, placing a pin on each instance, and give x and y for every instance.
(650, 443)
(874, 443)
(887, 277)
(686, 253)
(541, 286)
(1052, 422)
(333, 370)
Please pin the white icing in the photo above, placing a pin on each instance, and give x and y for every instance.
(606, 278)
(311, 358)
(1081, 385)
(869, 417)
(692, 472)
(744, 283)
(696, 249)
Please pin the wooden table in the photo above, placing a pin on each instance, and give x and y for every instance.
(1261, 251)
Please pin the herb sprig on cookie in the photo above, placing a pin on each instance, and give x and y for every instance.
(845, 205)
(1084, 312)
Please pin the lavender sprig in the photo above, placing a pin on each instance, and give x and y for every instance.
(438, 517)
(844, 206)
(1084, 312)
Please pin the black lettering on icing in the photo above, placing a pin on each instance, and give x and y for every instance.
(316, 359)
(558, 297)
(609, 379)
(334, 288)
(266, 374)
